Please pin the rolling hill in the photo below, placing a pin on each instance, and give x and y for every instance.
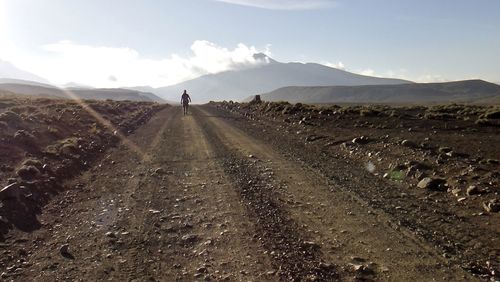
(467, 91)
(45, 90)
(238, 84)
(25, 82)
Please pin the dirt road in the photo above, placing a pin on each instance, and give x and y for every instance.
(201, 199)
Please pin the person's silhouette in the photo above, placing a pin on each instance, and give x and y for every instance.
(185, 100)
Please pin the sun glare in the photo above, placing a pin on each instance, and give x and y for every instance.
(106, 123)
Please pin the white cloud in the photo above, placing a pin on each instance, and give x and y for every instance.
(283, 4)
(368, 72)
(431, 78)
(403, 74)
(66, 61)
(338, 65)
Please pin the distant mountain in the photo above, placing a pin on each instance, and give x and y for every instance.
(44, 90)
(24, 82)
(265, 77)
(149, 89)
(32, 88)
(467, 91)
(8, 70)
(116, 94)
(74, 85)
(142, 88)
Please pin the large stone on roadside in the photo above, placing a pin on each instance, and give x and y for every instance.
(435, 184)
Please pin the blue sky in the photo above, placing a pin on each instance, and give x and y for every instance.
(157, 43)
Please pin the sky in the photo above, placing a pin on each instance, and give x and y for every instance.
(113, 43)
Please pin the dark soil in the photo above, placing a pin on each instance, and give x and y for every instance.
(399, 147)
(128, 191)
(45, 142)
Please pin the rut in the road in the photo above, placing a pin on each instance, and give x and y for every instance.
(296, 258)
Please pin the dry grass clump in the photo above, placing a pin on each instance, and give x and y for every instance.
(10, 117)
(490, 117)
(24, 137)
(28, 172)
(491, 114)
(69, 146)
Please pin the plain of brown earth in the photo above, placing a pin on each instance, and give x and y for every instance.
(231, 194)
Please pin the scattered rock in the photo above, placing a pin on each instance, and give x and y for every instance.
(190, 238)
(271, 273)
(110, 234)
(473, 190)
(64, 251)
(311, 244)
(363, 272)
(22, 252)
(304, 121)
(456, 192)
(326, 266)
(159, 171)
(435, 184)
(492, 205)
(492, 161)
(357, 267)
(361, 140)
(202, 269)
(445, 150)
(408, 143)
(426, 145)
(312, 138)
(414, 165)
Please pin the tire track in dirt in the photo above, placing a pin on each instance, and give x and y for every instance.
(81, 217)
(204, 227)
(296, 257)
(120, 190)
(195, 206)
(351, 234)
(171, 214)
(458, 230)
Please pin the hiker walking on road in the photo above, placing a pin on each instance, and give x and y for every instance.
(185, 100)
